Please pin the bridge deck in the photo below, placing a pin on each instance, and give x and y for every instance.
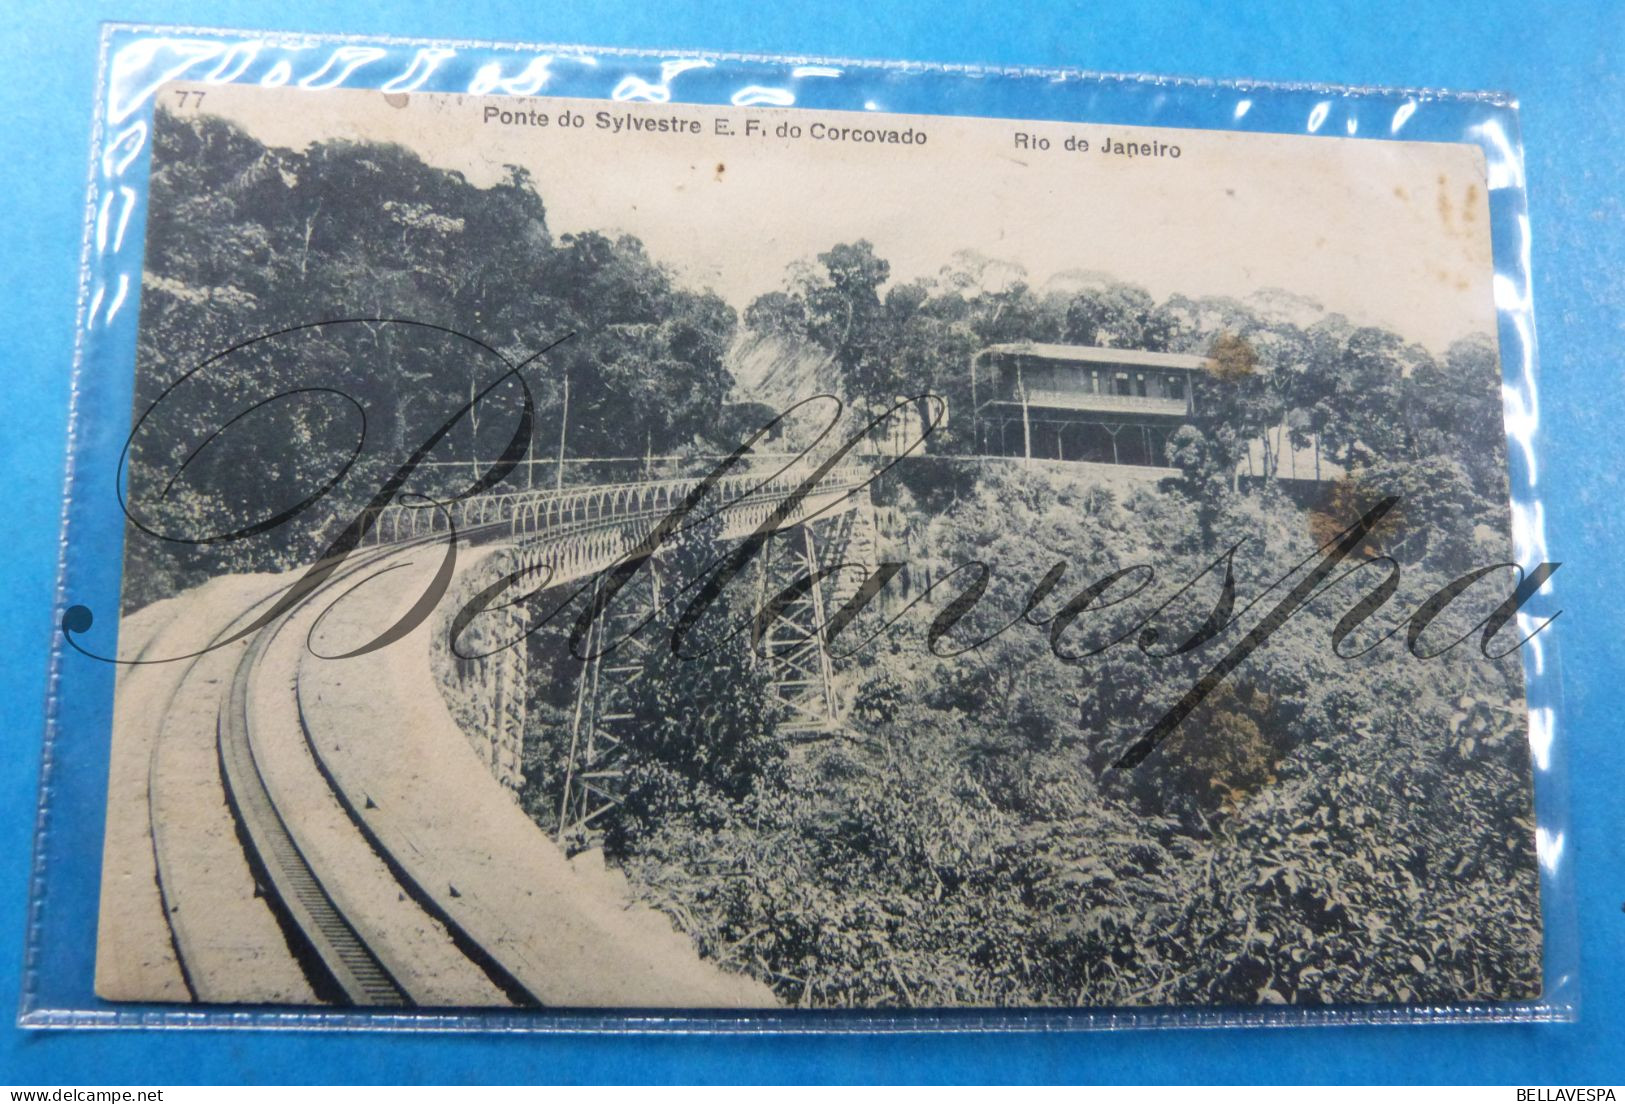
(372, 820)
(383, 733)
(177, 892)
(412, 946)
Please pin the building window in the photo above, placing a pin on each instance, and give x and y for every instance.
(1176, 387)
(1139, 386)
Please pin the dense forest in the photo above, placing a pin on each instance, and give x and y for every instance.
(1322, 829)
(1280, 361)
(244, 240)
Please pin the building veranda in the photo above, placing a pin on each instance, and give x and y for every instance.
(1042, 401)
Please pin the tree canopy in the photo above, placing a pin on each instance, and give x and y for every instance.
(245, 240)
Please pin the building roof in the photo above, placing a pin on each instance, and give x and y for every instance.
(1093, 354)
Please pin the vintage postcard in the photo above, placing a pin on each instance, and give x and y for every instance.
(628, 555)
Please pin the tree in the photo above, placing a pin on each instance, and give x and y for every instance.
(1454, 406)
(247, 240)
(1121, 316)
(1235, 405)
(702, 736)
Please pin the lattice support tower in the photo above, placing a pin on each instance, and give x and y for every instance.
(603, 705)
(799, 669)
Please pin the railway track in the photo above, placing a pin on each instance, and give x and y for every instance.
(350, 967)
(334, 957)
(280, 881)
(204, 887)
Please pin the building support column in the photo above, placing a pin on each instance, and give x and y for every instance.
(1026, 422)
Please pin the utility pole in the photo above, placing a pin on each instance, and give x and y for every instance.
(564, 420)
(1026, 422)
(975, 413)
(473, 429)
(530, 460)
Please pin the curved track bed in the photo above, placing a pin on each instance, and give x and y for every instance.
(290, 829)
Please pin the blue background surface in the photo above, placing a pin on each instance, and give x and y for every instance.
(1563, 61)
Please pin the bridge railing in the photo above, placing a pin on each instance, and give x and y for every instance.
(744, 500)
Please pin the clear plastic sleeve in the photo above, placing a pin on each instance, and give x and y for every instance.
(137, 62)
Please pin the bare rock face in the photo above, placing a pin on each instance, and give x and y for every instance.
(777, 371)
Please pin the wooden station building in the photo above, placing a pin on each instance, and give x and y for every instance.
(1079, 402)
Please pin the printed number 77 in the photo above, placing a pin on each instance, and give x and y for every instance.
(193, 99)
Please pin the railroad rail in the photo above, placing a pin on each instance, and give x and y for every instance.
(577, 529)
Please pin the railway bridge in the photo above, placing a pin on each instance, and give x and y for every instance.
(285, 826)
(555, 539)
